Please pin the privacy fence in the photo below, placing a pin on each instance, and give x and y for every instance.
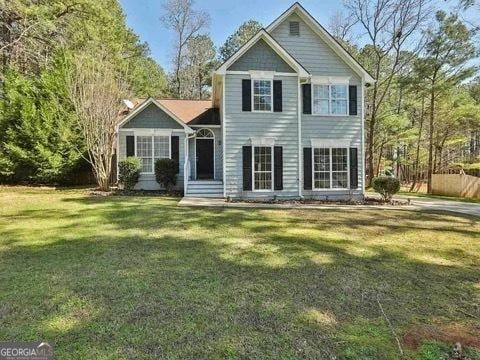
(456, 185)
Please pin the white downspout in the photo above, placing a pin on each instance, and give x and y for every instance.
(299, 114)
(363, 136)
(224, 78)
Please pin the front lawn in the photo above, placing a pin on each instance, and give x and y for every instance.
(138, 277)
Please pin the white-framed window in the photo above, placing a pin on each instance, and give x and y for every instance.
(262, 95)
(330, 168)
(149, 148)
(262, 165)
(330, 99)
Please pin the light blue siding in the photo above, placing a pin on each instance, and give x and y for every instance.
(147, 181)
(320, 60)
(311, 51)
(261, 57)
(241, 126)
(154, 118)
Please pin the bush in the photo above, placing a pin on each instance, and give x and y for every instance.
(166, 171)
(386, 186)
(129, 172)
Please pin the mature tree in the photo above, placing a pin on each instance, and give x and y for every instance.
(36, 127)
(36, 38)
(389, 27)
(443, 66)
(181, 18)
(235, 41)
(198, 63)
(96, 90)
(341, 26)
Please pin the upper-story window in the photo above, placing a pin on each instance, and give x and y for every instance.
(330, 99)
(294, 28)
(262, 95)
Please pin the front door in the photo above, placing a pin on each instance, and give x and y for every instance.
(205, 155)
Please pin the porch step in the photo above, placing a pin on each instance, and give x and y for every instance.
(206, 188)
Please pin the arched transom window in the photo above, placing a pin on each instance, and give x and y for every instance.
(205, 134)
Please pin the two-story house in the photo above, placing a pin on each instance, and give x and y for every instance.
(286, 119)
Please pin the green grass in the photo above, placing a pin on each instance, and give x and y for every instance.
(138, 277)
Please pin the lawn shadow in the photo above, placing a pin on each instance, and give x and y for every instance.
(142, 277)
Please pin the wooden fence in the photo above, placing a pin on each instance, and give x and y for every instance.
(456, 185)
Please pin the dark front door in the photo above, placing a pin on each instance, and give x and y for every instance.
(205, 158)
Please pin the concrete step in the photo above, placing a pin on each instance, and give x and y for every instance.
(205, 188)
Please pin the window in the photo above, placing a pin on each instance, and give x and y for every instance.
(321, 168)
(144, 152)
(262, 95)
(330, 168)
(330, 99)
(262, 168)
(294, 28)
(151, 148)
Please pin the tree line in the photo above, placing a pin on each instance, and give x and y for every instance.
(422, 113)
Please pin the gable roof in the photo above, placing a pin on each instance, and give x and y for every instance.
(325, 36)
(264, 35)
(185, 112)
(162, 107)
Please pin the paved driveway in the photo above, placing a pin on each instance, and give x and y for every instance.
(440, 204)
(416, 203)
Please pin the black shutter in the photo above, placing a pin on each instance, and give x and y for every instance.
(352, 103)
(246, 95)
(278, 170)
(307, 168)
(130, 146)
(176, 151)
(277, 96)
(307, 98)
(247, 168)
(353, 168)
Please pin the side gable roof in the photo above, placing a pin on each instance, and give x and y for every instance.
(325, 36)
(264, 35)
(147, 102)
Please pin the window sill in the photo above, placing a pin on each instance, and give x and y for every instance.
(262, 111)
(330, 189)
(331, 115)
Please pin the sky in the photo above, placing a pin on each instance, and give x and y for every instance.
(143, 16)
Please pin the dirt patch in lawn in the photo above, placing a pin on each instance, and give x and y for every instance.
(467, 335)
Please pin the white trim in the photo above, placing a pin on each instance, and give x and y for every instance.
(272, 180)
(324, 143)
(237, 72)
(331, 188)
(147, 102)
(329, 84)
(363, 136)
(224, 171)
(261, 75)
(330, 80)
(264, 35)
(300, 147)
(152, 137)
(252, 91)
(262, 141)
(214, 152)
(325, 36)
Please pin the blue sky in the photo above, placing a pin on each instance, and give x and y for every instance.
(143, 16)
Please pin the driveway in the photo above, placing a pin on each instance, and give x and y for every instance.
(440, 204)
(416, 203)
